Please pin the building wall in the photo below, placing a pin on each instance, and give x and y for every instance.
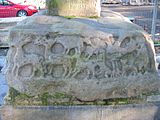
(41, 4)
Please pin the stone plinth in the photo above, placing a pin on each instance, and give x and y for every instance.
(126, 112)
(70, 61)
(83, 8)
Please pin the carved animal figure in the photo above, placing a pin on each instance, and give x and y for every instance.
(70, 42)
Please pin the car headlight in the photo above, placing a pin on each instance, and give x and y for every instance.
(31, 7)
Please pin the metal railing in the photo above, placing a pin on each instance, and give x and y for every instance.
(145, 16)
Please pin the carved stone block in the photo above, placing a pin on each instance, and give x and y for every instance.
(85, 59)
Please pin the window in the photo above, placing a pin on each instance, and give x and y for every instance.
(4, 2)
(1, 2)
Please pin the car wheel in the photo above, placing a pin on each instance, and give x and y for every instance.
(21, 13)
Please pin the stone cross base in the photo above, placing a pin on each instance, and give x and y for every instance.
(79, 59)
(82, 8)
(126, 112)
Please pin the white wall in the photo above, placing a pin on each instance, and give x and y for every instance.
(37, 3)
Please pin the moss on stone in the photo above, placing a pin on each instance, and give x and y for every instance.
(17, 98)
(44, 98)
(70, 17)
(94, 17)
(125, 101)
(54, 3)
(13, 93)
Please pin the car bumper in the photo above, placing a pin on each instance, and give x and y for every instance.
(31, 12)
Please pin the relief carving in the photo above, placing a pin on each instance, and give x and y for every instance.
(57, 48)
(25, 70)
(31, 48)
(83, 58)
(62, 56)
(70, 42)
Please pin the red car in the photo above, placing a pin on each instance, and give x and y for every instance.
(10, 9)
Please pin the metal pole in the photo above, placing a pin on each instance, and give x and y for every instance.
(153, 30)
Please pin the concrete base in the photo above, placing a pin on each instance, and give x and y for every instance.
(125, 112)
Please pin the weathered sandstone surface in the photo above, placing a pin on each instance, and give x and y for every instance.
(83, 8)
(88, 59)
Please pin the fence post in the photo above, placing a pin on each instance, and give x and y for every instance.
(153, 30)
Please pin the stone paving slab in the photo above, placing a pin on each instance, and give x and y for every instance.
(11, 19)
(125, 112)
